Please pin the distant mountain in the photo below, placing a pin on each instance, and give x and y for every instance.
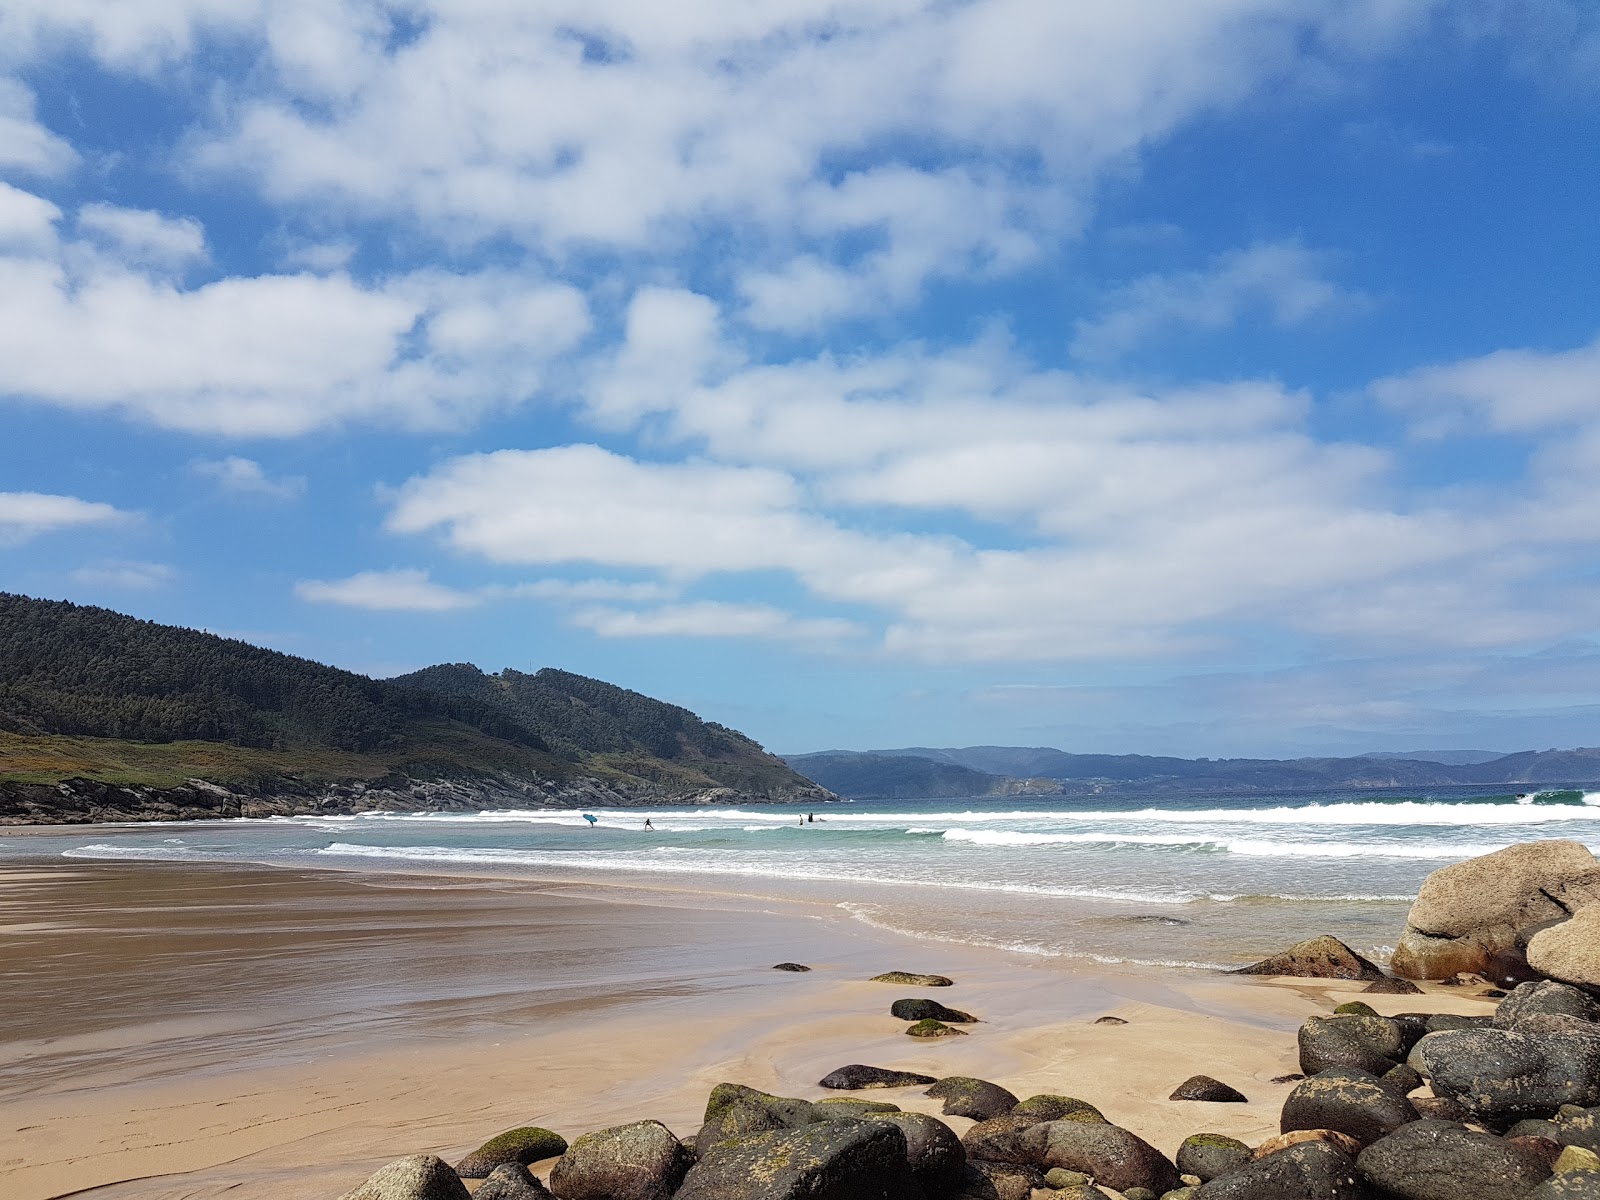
(103, 716)
(1453, 758)
(1000, 770)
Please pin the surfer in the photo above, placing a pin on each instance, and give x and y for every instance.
(647, 824)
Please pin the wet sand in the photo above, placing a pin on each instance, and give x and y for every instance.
(189, 1031)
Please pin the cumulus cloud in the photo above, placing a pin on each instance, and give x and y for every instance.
(245, 476)
(25, 144)
(25, 515)
(402, 590)
(1284, 280)
(143, 237)
(1509, 391)
(27, 222)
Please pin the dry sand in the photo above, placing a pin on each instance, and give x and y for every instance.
(197, 1031)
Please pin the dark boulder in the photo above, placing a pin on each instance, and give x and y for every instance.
(999, 1139)
(1349, 1101)
(855, 1077)
(1110, 1020)
(1392, 986)
(1355, 1008)
(1548, 997)
(912, 979)
(1319, 958)
(1208, 1155)
(733, 1110)
(849, 1108)
(1401, 1080)
(511, 1181)
(526, 1145)
(1506, 1074)
(938, 1160)
(836, 1160)
(1569, 1185)
(977, 1099)
(417, 1177)
(1439, 1022)
(1435, 1160)
(1309, 1171)
(1203, 1087)
(1047, 1107)
(934, 1029)
(1370, 1044)
(999, 1181)
(923, 1010)
(1547, 1150)
(791, 967)
(1115, 1157)
(1296, 1137)
(641, 1161)
(1439, 1108)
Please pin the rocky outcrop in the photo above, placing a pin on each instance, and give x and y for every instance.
(1471, 913)
(1569, 951)
(1318, 958)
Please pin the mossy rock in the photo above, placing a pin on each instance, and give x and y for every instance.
(848, 1108)
(1208, 1155)
(1046, 1107)
(1356, 1008)
(930, 1028)
(911, 979)
(526, 1145)
(923, 1009)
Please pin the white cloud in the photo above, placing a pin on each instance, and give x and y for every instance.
(144, 237)
(27, 222)
(578, 590)
(25, 515)
(246, 477)
(26, 145)
(1282, 279)
(404, 590)
(1509, 391)
(125, 575)
(712, 619)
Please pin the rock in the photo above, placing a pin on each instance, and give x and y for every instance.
(1347, 1101)
(837, 1160)
(1469, 912)
(1401, 1080)
(526, 1145)
(910, 979)
(850, 1108)
(418, 1177)
(999, 1139)
(1570, 1185)
(923, 1010)
(1576, 1158)
(511, 1181)
(1505, 1074)
(1434, 1160)
(1355, 1008)
(1413, 1028)
(1005, 1181)
(641, 1161)
(1060, 1177)
(1203, 1087)
(791, 967)
(978, 1099)
(1109, 1020)
(1547, 997)
(1295, 1078)
(1546, 1150)
(936, 1156)
(1440, 1022)
(934, 1029)
(1309, 1171)
(1370, 1044)
(856, 1077)
(1439, 1108)
(1319, 958)
(1391, 986)
(1208, 1155)
(1579, 1129)
(1139, 1193)
(733, 1110)
(1296, 1137)
(1113, 1156)
(1047, 1107)
(1570, 951)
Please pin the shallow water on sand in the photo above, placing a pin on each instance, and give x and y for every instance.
(1182, 881)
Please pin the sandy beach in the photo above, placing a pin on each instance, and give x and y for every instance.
(194, 1031)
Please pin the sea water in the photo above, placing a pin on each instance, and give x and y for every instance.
(1188, 881)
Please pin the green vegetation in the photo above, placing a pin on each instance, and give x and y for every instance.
(93, 694)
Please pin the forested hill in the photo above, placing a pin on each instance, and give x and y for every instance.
(87, 694)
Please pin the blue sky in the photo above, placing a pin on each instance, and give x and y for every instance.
(1205, 377)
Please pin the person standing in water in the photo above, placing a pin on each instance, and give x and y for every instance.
(647, 824)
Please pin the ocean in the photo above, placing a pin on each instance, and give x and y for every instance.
(1196, 882)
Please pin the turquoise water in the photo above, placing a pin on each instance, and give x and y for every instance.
(1192, 881)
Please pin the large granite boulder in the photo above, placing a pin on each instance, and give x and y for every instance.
(641, 1161)
(1309, 1171)
(977, 1099)
(1437, 1160)
(1502, 1075)
(857, 1076)
(1569, 951)
(1348, 1101)
(417, 1177)
(526, 1145)
(1468, 913)
(511, 1181)
(1115, 1157)
(1322, 957)
(836, 1160)
(1369, 1043)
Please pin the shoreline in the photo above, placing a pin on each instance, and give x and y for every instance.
(619, 1001)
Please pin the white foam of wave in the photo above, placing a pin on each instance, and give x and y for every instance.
(1250, 847)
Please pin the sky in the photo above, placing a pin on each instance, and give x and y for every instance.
(1202, 377)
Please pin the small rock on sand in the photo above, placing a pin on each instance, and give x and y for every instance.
(911, 979)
